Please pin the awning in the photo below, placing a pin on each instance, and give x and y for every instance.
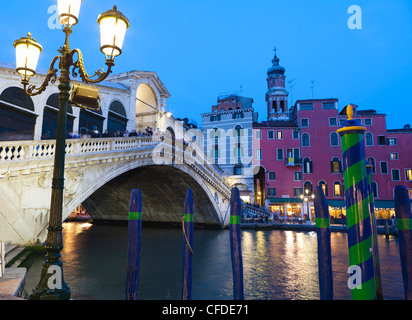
(286, 200)
(337, 203)
(384, 204)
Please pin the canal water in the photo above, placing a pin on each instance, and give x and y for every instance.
(278, 265)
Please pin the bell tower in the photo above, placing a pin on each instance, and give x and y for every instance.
(277, 96)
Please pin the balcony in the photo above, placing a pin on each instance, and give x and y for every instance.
(291, 162)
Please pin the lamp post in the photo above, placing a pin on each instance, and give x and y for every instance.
(306, 199)
(113, 26)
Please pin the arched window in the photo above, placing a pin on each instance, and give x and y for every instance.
(375, 189)
(308, 188)
(324, 187)
(336, 166)
(307, 166)
(91, 122)
(369, 139)
(274, 106)
(50, 118)
(238, 149)
(337, 189)
(17, 117)
(305, 140)
(282, 106)
(334, 140)
(373, 164)
(117, 120)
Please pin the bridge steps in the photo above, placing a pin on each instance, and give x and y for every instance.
(11, 284)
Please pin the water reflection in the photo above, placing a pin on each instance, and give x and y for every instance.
(277, 264)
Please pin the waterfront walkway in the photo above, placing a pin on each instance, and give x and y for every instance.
(308, 227)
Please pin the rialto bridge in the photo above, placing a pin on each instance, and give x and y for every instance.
(100, 173)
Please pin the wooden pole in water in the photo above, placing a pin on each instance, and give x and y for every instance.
(404, 225)
(324, 248)
(357, 209)
(188, 227)
(134, 245)
(235, 244)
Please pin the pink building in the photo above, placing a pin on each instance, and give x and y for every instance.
(298, 149)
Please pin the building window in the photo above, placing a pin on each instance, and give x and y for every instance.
(368, 122)
(297, 175)
(333, 122)
(393, 156)
(372, 163)
(215, 117)
(306, 106)
(258, 154)
(336, 166)
(238, 115)
(258, 134)
(392, 142)
(270, 134)
(304, 122)
(410, 193)
(271, 176)
(384, 167)
(305, 140)
(324, 187)
(408, 174)
(375, 189)
(307, 166)
(272, 192)
(279, 135)
(297, 192)
(295, 134)
(337, 189)
(237, 170)
(308, 188)
(328, 105)
(334, 139)
(369, 139)
(279, 154)
(381, 141)
(396, 175)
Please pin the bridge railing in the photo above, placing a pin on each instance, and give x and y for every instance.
(43, 149)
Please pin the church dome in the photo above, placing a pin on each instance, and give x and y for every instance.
(276, 68)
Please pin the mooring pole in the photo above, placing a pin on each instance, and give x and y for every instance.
(324, 248)
(376, 263)
(188, 227)
(404, 225)
(359, 225)
(235, 244)
(134, 245)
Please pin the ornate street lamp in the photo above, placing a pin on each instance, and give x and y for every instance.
(113, 26)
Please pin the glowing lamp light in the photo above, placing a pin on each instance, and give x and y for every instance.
(69, 11)
(113, 26)
(27, 56)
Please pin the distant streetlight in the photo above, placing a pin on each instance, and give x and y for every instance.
(113, 26)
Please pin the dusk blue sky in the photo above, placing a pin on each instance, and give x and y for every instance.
(201, 49)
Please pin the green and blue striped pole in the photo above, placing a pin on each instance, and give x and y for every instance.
(359, 224)
(404, 225)
(324, 247)
(379, 293)
(235, 244)
(134, 245)
(188, 227)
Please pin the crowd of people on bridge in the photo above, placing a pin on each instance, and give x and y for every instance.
(95, 133)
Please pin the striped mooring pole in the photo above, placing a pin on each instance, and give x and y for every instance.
(134, 245)
(324, 248)
(404, 225)
(375, 248)
(358, 218)
(235, 244)
(188, 227)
